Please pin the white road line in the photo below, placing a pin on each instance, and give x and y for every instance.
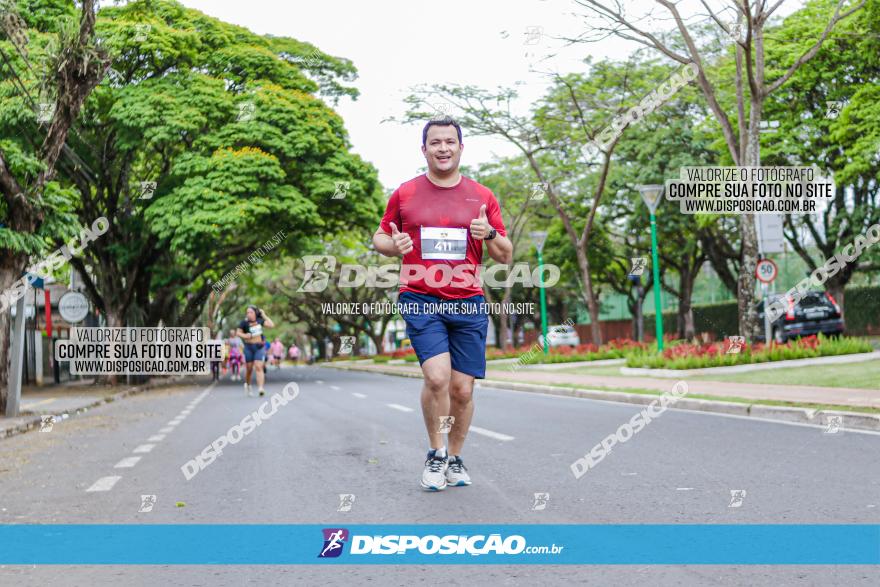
(127, 462)
(319, 381)
(156, 438)
(144, 448)
(335, 387)
(173, 423)
(684, 488)
(399, 407)
(490, 434)
(185, 412)
(104, 483)
(166, 430)
(356, 394)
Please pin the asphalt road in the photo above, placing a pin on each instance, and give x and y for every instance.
(362, 434)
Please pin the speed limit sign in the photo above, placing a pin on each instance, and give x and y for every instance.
(766, 271)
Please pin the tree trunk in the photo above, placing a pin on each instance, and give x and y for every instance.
(634, 322)
(115, 319)
(377, 340)
(748, 313)
(590, 298)
(685, 308)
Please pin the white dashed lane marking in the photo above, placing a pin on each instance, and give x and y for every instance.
(104, 483)
(490, 433)
(107, 483)
(399, 407)
(358, 395)
(127, 462)
(335, 388)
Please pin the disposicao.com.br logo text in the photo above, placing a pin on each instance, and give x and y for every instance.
(334, 540)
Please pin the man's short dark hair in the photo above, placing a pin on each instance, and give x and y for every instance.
(440, 121)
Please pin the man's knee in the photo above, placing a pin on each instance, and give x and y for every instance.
(461, 391)
(436, 380)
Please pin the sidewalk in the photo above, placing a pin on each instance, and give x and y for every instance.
(70, 398)
(864, 398)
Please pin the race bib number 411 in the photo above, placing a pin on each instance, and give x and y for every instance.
(444, 243)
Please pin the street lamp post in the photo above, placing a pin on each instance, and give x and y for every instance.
(651, 194)
(538, 237)
(640, 323)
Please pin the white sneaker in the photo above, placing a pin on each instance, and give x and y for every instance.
(456, 474)
(248, 390)
(434, 475)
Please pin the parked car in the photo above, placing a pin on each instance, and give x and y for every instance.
(815, 312)
(560, 335)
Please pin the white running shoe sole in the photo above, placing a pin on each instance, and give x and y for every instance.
(432, 487)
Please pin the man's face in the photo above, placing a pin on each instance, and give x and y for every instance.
(442, 150)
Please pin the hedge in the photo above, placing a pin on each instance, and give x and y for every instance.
(861, 310)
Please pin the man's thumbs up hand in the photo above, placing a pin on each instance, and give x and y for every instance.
(480, 225)
(402, 240)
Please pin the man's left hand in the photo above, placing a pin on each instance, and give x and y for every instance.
(480, 226)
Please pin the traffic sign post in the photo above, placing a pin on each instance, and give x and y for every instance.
(73, 307)
(766, 271)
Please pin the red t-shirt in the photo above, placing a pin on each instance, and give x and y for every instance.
(419, 207)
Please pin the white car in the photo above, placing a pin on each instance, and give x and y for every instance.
(560, 335)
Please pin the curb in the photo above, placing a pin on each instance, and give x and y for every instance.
(33, 422)
(751, 367)
(849, 420)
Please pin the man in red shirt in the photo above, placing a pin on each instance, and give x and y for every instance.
(438, 223)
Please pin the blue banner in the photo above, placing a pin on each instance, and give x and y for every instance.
(270, 544)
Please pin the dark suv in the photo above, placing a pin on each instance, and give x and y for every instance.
(816, 312)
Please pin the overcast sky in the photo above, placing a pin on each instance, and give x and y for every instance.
(398, 44)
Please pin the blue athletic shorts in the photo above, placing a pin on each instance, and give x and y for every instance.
(254, 352)
(457, 327)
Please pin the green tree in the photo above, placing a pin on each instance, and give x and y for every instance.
(842, 144)
(232, 128)
(736, 89)
(51, 63)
